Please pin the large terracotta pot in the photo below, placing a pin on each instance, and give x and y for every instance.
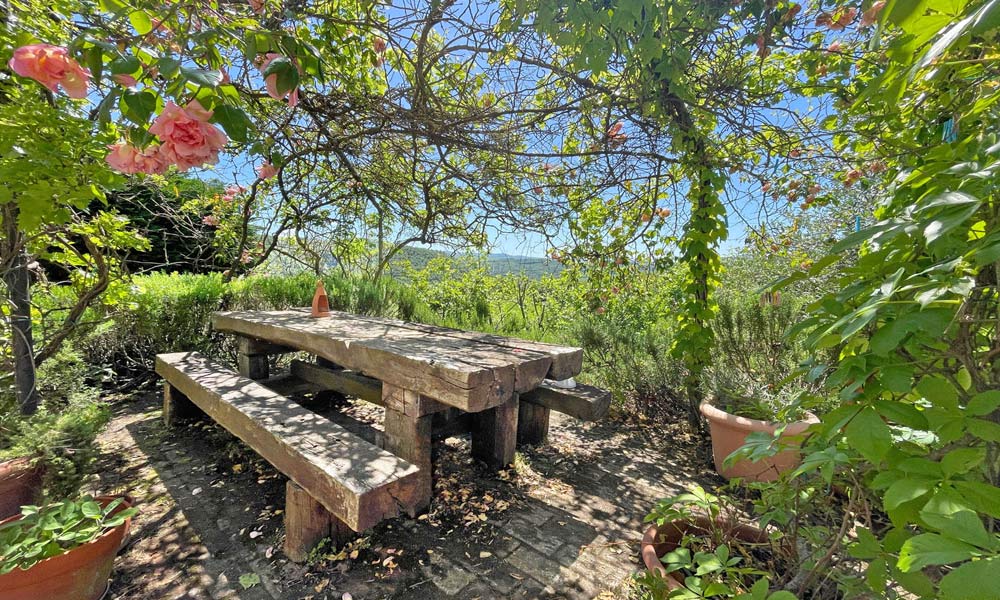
(729, 432)
(80, 574)
(20, 484)
(660, 539)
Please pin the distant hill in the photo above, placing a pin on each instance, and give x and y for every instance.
(499, 264)
(531, 266)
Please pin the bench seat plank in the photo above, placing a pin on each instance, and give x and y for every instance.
(358, 482)
(585, 402)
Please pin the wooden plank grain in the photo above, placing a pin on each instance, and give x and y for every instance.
(466, 374)
(567, 361)
(356, 481)
(585, 402)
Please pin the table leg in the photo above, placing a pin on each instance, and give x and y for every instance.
(408, 436)
(494, 434)
(532, 424)
(251, 358)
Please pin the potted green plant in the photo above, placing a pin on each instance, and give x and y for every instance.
(754, 449)
(48, 454)
(63, 550)
(692, 550)
(754, 396)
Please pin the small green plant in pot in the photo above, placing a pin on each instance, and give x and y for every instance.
(692, 550)
(62, 550)
(754, 400)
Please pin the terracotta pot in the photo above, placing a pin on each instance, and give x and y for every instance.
(80, 574)
(660, 539)
(20, 484)
(729, 432)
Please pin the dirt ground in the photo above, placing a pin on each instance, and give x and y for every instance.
(563, 522)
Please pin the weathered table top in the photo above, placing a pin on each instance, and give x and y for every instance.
(468, 370)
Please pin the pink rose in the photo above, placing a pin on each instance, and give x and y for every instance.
(188, 139)
(845, 19)
(271, 82)
(126, 80)
(52, 67)
(870, 16)
(126, 158)
(266, 171)
(210, 220)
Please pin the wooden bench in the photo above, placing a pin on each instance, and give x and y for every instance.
(338, 481)
(584, 402)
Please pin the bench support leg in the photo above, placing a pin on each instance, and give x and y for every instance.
(532, 424)
(307, 522)
(494, 434)
(409, 437)
(177, 407)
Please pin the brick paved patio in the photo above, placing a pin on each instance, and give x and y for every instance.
(563, 523)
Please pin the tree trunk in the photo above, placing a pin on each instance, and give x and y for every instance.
(14, 256)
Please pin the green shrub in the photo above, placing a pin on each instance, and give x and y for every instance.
(172, 312)
(635, 364)
(62, 434)
(754, 363)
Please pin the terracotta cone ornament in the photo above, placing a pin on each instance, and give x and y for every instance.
(321, 302)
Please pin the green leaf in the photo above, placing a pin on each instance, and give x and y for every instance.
(234, 121)
(984, 403)
(902, 413)
(139, 105)
(168, 66)
(962, 460)
(125, 65)
(985, 430)
(938, 390)
(866, 547)
(140, 21)
(975, 580)
(249, 580)
(982, 497)
(906, 490)
(929, 549)
(888, 336)
(869, 435)
(202, 77)
(948, 513)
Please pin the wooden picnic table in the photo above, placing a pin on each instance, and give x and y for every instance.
(423, 369)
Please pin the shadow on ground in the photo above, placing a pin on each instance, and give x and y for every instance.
(565, 522)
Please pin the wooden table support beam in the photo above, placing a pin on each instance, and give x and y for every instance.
(532, 424)
(407, 434)
(494, 434)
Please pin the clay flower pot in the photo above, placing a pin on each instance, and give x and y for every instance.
(729, 432)
(20, 484)
(79, 574)
(660, 539)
